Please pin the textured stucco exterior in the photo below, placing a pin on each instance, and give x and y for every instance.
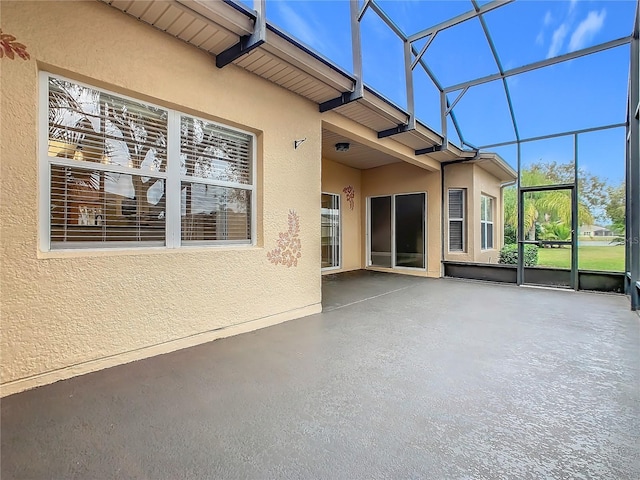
(460, 176)
(395, 178)
(69, 313)
(66, 313)
(487, 184)
(413, 174)
(477, 182)
(335, 178)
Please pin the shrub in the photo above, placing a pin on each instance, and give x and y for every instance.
(509, 255)
(510, 234)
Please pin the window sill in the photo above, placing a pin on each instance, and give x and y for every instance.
(140, 251)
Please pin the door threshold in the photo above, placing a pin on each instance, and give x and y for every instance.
(548, 287)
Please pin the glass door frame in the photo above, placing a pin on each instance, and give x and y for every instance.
(339, 246)
(522, 241)
(393, 232)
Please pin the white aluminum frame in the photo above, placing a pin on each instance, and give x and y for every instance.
(483, 223)
(341, 247)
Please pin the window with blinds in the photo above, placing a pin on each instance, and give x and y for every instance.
(107, 168)
(456, 219)
(216, 180)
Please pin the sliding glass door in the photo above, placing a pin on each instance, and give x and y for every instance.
(330, 230)
(409, 223)
(380, 231)
(397, 231)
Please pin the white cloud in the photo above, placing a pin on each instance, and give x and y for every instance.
(540, 38)
(299, 27)
(556, 40)
(587, 29)
(548, 18)
(572, 5)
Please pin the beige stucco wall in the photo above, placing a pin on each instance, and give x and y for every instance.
(487, 184)
(477, 182)
(335, 177)
(461, 176)
(65, 314)
(406, 178)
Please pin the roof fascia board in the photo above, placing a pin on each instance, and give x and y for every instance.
(459, 152)
(223, 13)
(307, 50)
(383, 107)
(498, 162)
(240, 20)
(292, 53)
(247, 43)
(385, 99)
(428, 133)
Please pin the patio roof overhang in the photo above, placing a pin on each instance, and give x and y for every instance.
(496, 166)
(225, 29)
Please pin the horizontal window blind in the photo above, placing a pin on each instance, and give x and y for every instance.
(210, 151)
(456, 204)
(211, 154)
(455, 236)
(456, 220)
(213, 213)
(93, 126)
(98, 206)
(108, 164)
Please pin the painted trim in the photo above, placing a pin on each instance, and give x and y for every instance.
(44, 180)
(173, 187)
(340, 245)
(494, 205)
(16, 386)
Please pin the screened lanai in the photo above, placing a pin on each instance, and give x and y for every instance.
(203, 355)
(551, 87)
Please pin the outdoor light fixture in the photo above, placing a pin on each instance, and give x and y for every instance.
(342, 147)
(297, 143)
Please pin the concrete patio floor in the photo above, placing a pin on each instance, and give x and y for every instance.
(400, 377)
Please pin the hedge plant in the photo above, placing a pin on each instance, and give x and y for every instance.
(509, 255)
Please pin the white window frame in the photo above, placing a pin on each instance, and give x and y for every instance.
(340, 247)
(484, 223)
(171, 176)
(462, 221)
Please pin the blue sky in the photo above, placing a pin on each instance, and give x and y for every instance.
(582, 93)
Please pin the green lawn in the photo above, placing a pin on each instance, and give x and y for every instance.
(589, 258)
